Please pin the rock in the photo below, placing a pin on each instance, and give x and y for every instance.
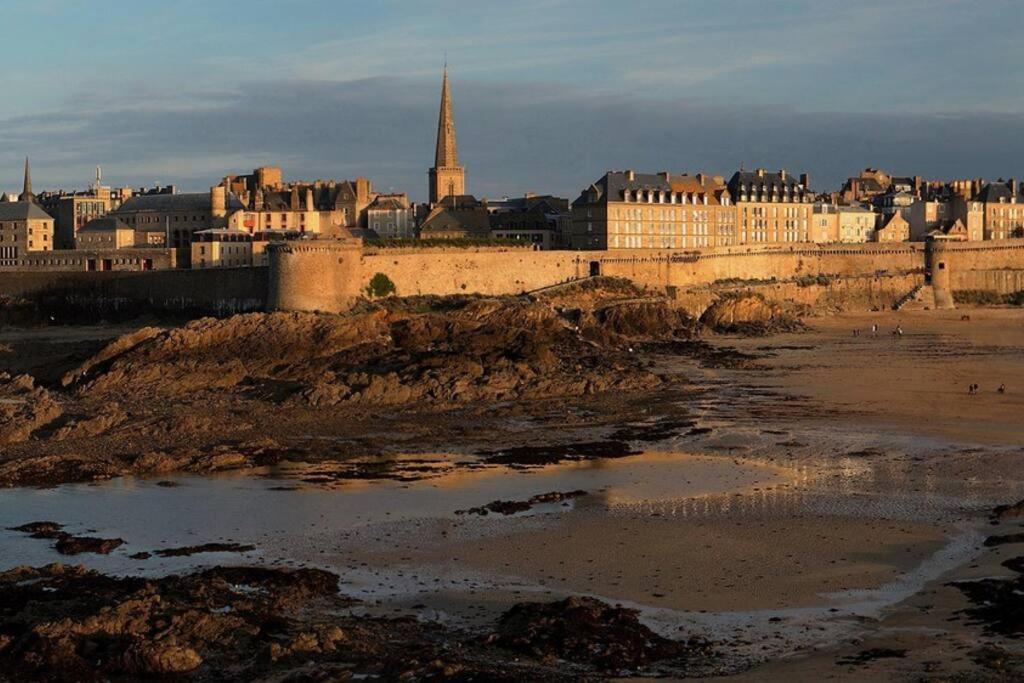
(1009, 511)
(24, 408)
(584, 630)
(76, 545)
(747, 313)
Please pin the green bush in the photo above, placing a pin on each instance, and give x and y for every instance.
(380, 286)
(978, 297)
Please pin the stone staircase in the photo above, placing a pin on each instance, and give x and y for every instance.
(920, 298)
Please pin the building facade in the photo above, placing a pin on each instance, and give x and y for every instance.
(390, 216)
(25, 229)
(771, 207)
(629, 210)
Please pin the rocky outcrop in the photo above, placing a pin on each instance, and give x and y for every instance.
(24, 408)
(747, 313)
(485, 350)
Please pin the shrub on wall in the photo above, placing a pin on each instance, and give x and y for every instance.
(380, 286)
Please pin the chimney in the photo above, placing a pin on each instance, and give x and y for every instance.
(1013, 189)
(805, 180)
(309, 199)
(664, 175)
(701, 178)
(630, 175)
(760, 173)
(782, 174)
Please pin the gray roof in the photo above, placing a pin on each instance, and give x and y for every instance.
(21, 211)
(769, 180)
(104, 224)
(993, 192)
(194, 201)
(612, 185)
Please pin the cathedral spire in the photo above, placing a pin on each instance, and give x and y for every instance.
(447, 178)
(446, 155)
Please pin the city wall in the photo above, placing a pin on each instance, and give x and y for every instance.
(866, 292)
(218, 291)
(329, 276)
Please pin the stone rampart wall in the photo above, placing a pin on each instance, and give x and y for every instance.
(1001, 281)
(217, 291)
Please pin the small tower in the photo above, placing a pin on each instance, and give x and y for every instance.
(26, 190)
(447, 178)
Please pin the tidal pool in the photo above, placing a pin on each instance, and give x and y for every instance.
(285, 516)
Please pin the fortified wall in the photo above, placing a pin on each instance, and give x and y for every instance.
(330, 276)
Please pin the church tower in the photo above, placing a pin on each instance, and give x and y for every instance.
(26, 190)
(446, 177)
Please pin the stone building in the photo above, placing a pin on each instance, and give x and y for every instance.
(317, 207)
(179, 215)
(24, 226)
(1002, 209)
(446, 176)
(629, 210)
(543, 221)
(112, 233)
(72, 210)
(390, 216)
(893, 228)
(857, 223)
(24, 229)
(824, 223)
(771, 207)
(457, 217)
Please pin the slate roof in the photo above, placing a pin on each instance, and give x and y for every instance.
(108, 223)
(165, 203)
(473, 221)
(766, 184)
(385, 203)
(21, 211)
(994, 192)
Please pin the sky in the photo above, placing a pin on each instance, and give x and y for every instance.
(547, 95)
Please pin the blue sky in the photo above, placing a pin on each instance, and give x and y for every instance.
(548, 95)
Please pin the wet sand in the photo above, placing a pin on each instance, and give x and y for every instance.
(832, 491)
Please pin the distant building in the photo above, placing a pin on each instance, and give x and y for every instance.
(226, 248)
(24, 226)
(113, 233)
(390, 216)
(179, 215)
(771, 207)
(446, 177)
(72, 210)
(629, 210)
(1003, 209)
(894, 228)
(824, 223)
(856, 223)
(317, 207)
(456, 217)
(541, 220)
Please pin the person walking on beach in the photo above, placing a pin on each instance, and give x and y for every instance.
(899, 331)
(1001, 389)
(874, 329)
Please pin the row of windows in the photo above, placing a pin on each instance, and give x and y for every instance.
(787, 212)
(663, 197)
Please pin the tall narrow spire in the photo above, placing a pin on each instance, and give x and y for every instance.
(447, 178)
(26, 190)
(446, 155)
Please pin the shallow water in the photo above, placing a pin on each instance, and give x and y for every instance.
(288, 519)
